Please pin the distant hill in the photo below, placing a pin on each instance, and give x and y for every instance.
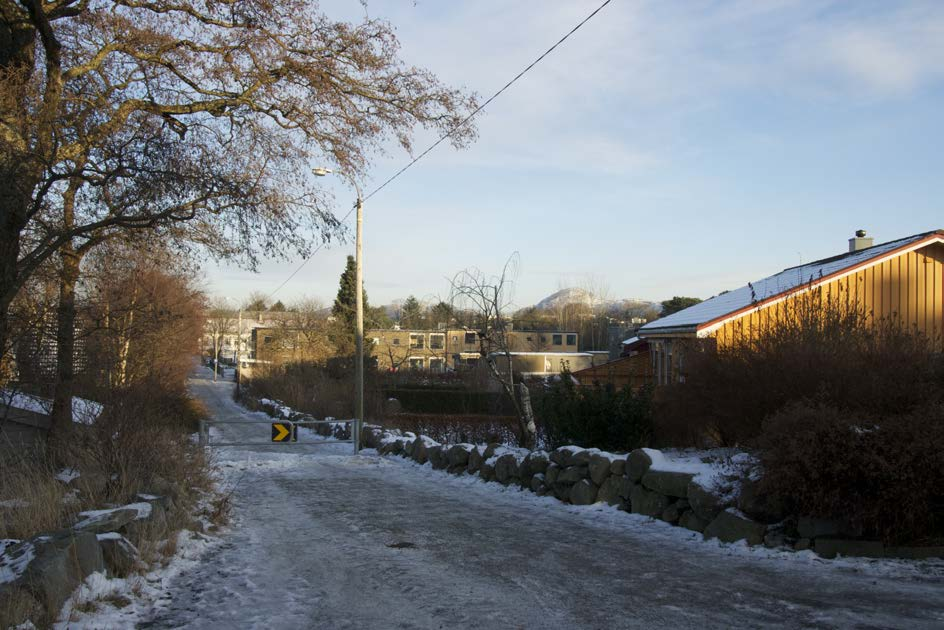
(576, 295)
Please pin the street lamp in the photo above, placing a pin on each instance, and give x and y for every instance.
(359, 301)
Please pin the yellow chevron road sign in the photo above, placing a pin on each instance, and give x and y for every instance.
(283, 432)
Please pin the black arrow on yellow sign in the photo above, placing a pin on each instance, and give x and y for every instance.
(282, 431)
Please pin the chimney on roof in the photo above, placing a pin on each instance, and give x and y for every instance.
(860, 241)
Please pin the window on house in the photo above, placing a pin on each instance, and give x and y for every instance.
(267, 339)
(396, 341)
(571, 340)
(417, 341)
(558, 340)
(470, 337)
(437, 341)
(436, 364)
(417, 363)
(543, 339)
(528, 337)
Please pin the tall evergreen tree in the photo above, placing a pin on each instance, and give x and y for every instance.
(411, 314)
(344, 309)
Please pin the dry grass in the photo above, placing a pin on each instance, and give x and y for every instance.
(139, 444)
(17, 605)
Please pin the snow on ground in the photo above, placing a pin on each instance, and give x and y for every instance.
(102, 602)
(13, 565)
(83, 411)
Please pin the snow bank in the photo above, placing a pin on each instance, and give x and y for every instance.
(83, 411)
(13, 564)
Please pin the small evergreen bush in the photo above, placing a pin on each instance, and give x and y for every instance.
(597, 416)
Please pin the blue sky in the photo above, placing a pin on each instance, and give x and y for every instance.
(667, 148)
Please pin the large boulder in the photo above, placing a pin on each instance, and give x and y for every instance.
(490, 449)
(487, 471)
(637, 464)
(408, 447)
(119, 554)
(690, 520)
(392, 447)
(458, 456)
(60, 561)
(618, 467)
(610, 490)
(101, 521)
(572, 475)
(537, 483)
(551, 474)
(564, 456)
(534, 462)
(647, 503)
(506, 469)
(582, 457)
(673, 484)
(599, 467)
(437, 456)
(583, 492)
(475, 460)
(672, 513)
(730, 526)
(419, 454)
(705, 504)
(626, 488)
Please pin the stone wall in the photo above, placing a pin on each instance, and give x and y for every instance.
(630, 482)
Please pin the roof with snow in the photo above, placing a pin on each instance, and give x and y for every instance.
(754, 294)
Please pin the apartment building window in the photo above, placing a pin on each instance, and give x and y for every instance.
(417, 363)
(437, 341)
(470, 337)
(558, 340)
(571, 340)
(417, 341)
(436, 364)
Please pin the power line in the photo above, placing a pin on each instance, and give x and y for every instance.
(449, 133)
(491, 98)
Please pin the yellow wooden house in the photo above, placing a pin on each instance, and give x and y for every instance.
(903, 278)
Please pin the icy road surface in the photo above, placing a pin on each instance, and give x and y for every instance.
(322, 539)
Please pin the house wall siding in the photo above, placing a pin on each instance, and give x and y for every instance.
(909, 286)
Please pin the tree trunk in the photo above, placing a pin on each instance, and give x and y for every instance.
(124, 347)
(65, 348)
(529, 430)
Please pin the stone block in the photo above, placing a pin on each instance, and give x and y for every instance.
(618, 467)
(705, 503)
(637, 464)
(573, 474)
(673, 484)
(648, 503)
(584, 492)
(690, 520)
(599, 468)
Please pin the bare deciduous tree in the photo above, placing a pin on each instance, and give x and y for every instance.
(132, 114)
(488, 299)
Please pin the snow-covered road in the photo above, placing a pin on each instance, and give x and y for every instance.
(323, 539)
